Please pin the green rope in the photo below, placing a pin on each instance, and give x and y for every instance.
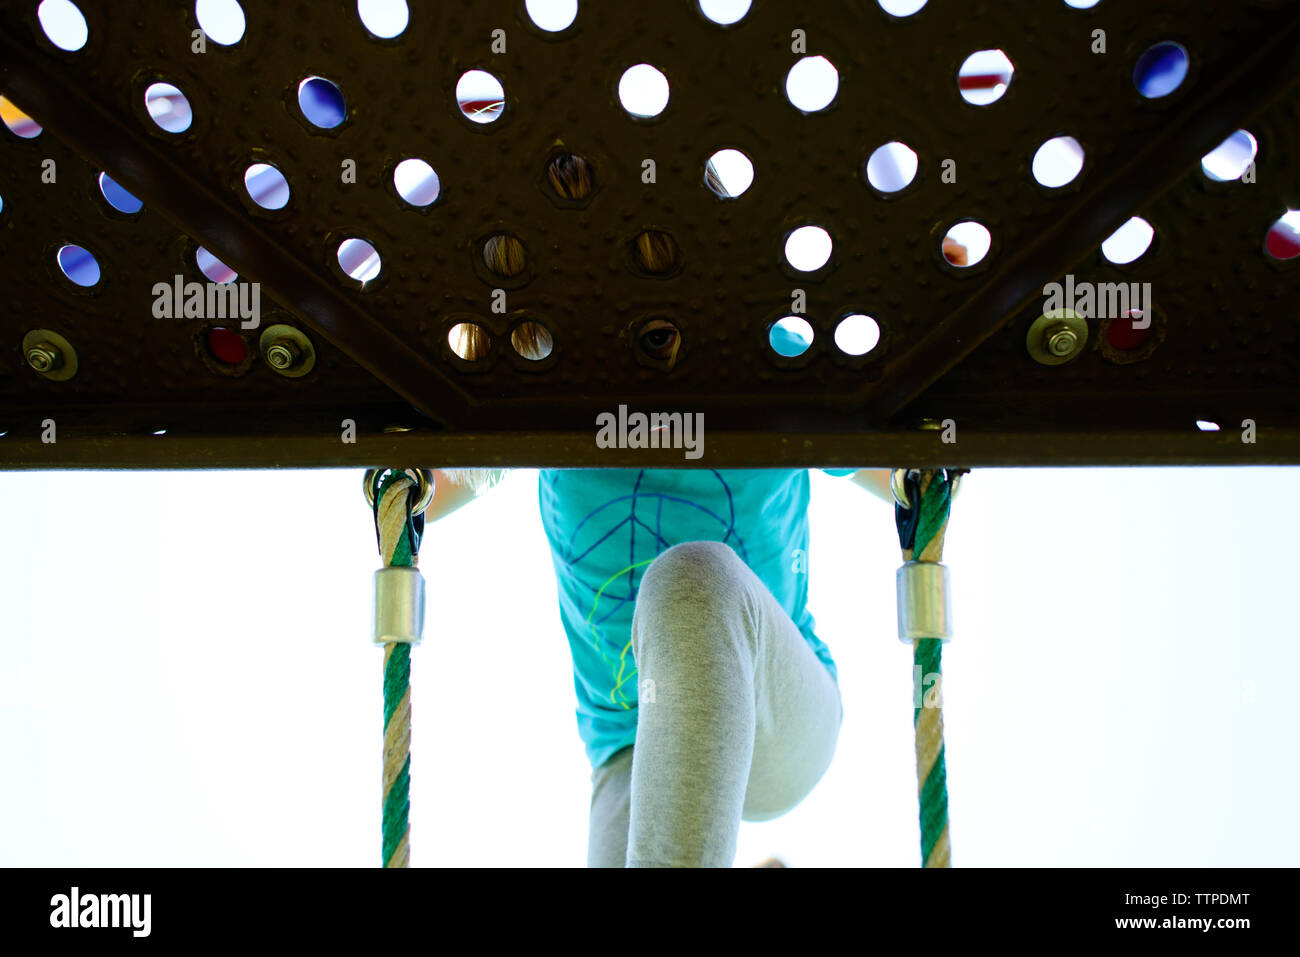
(397, 808)
(397, 679)
(397, 709)
(934, 786)
(921, 535)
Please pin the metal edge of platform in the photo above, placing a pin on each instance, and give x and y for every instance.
(580, 450)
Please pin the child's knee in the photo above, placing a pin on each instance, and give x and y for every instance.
(695, 590)
(693, 566)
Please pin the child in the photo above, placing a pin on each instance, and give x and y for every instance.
(704, 695)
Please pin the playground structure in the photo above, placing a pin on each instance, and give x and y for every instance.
(137, 167)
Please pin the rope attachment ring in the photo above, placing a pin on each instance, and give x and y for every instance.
(423, 478)
(924, 601)
(898, 484)
(399, 587)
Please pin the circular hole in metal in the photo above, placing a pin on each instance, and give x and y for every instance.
(480, 96)
(504, 255)
(266, 186)
(725, 12)
(79, 265)
(1283, 240)
(857, 334)
(117, 197)
(892, 167)
(385, 19)
(552, 15)
(64, 24)
(359, 259)
(212, 267)
(321, 101)
(659, 340)
(812, 83)
(1128, 242)
(966, 243)
(19, 123)
(643, 90)
(222, 20)
(656, 251)
(469, 340)
(1082, 4)
(1161, 70)
(790, 336)
(168, 107)
(984, 77)
(901, 8)
(226, 346)
(1122, 334)
(416, 182)
(1231, 158)
(729, 173)
(532, 340)
(1058, 161)
(808, 248)
(570, 176)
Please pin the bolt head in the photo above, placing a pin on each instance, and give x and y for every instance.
(43, 357)
(281, 355)
(1062, 342)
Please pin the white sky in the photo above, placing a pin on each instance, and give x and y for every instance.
(186, 676)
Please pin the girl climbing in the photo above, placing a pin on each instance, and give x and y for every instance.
(704, 695)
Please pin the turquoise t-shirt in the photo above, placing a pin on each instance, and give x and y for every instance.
(606, 525)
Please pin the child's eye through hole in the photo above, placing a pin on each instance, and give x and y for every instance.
(659, 339)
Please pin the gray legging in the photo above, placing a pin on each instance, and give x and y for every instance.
(743, 724)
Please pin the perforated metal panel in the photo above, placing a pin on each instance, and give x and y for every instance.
(1224, 345)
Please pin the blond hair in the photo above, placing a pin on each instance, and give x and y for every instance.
(654, 250)
(480, 480)
(570, 176)
(530, 339)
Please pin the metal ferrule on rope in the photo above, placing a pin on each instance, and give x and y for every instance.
(924, 604)
(399, 605)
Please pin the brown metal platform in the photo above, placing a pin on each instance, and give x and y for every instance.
(1226, 338)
